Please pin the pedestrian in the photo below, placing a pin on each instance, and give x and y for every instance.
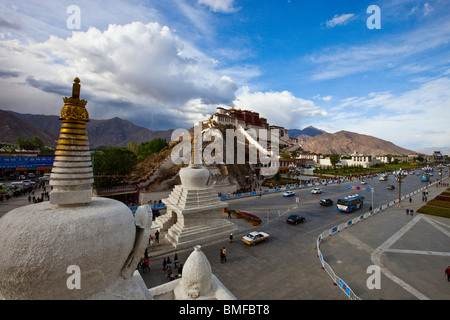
(147, 264)
(447, 272)
(229, 214)
(164, 264)
(411, 211)
(175, 260)
(180, 270)
(157, 236)
(168, 272)
(231, 237)
(410, 200)
(407, 211)
(141, 265)
(146, 253)
(222, 256)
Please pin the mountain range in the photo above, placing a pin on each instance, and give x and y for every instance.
(113, 132)
(117, 132)
(344, 142)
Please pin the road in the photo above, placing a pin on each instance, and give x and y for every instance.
(286, 266)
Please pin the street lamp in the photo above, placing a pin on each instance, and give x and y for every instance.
(291, 169)
(440, 167)
(399, 175)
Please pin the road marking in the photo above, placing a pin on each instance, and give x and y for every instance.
(355, 241)
(376, 258)
(434, 224)
(433, 253)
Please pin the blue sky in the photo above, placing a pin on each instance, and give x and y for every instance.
(165, 64)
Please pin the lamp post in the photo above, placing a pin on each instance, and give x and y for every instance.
(291, 169)
(427, 170)
(399, 175)
(440, 167)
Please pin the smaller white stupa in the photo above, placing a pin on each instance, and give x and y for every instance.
(197, 283)
(194, 211)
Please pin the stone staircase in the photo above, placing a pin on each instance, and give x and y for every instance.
(200, 233)
(185, 199)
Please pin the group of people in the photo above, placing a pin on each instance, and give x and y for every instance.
(28, 189)
(169, 269)
(144, 264)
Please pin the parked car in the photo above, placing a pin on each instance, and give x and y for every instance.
(295, 219)
(254, 237)
(390, 187)
(289, 194)
(326, 202)
(316, 190)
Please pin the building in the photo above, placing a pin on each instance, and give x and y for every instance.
(14, 164)
(245, 118)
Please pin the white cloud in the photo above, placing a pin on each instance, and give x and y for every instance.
(389, 52)
(280, 108)
(427, 9)
(225, 6)
(339, 20)
(327, 98)
(412, 119)
(136, 71)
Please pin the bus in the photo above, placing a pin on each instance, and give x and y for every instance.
(350, 203)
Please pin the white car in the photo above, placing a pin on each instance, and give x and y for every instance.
(316, 190)
(363, 182)
(289, 194)
(254, 237)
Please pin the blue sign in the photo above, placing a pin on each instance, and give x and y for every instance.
(25, 162)
(349, 187)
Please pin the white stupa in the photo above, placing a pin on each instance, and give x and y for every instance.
(73, 246)
(194, 211)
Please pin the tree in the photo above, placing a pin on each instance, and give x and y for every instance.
(133, 147)
(334, 159)
(111, 166)
(150, 147)
(285, 155)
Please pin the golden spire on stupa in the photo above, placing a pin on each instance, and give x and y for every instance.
(72, 175)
